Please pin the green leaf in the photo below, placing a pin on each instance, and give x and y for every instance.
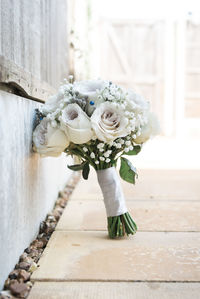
(77, 167)
(86, 170)
(76, 152)
(135, 151)
(127, 171)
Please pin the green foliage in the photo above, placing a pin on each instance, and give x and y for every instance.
(119, 226)
(77, 167)
(127, 171)
(85, 167)
(86, 170)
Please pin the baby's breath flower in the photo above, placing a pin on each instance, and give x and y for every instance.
(107, 153)
(110, 143)
(107, 160)
(126, 149)
(85, 149)
(102, 158)
(97, 162)
(101, 150)
(128, 142)
(121, 141)
(130, 147)
(134, 136)
(100, 145)
(118, 145)
(110, 98)
(92, 155)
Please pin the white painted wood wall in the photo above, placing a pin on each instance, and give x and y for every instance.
(33, 61)
(33, 44)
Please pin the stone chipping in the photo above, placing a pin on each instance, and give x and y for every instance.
(18, 284)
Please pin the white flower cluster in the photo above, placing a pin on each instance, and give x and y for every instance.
(113, 93)
(93, 110)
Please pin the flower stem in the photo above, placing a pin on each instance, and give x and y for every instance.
(119, 226)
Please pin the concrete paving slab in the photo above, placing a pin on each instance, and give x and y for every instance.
(113, 290)
(149, 215)
(160, 184)
(147, 256)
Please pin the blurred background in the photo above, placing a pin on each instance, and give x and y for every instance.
(152, 47)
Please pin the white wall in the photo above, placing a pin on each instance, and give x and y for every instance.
(28, 184)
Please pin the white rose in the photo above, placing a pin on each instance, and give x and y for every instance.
(49, 141)
(139, 106)
(137, 101)
(76, 124)
(151, 129)
(109, 122)
(89, 89)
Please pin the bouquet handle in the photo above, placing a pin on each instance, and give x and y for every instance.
(112, 192)
(119, 220)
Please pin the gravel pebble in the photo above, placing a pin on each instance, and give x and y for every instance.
(18, 283)
(7, 283)
(37, 244)
(6, 295)
(23, 256)
(14, 274)
(33, 253)
(23, 265)
(19, 289)
(24, 275)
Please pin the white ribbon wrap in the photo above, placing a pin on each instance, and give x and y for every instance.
(112, 192)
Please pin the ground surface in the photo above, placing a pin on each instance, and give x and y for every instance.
(161, 261)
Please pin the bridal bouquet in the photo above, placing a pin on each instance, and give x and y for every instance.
(100, 123)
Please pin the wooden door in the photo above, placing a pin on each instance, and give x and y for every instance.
(132, 55)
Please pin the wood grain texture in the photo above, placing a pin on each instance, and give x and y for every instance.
(113, 290)
(33, 45)
(147, 256)
(192, 76)
(134, 49)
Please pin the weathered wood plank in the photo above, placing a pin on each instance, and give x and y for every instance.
(113, 290)
(147, 256)
(15, 75)
(33, 45)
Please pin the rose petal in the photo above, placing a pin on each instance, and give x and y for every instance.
(79, 136)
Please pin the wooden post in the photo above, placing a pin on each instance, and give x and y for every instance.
(169, 76)
(180, 77)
